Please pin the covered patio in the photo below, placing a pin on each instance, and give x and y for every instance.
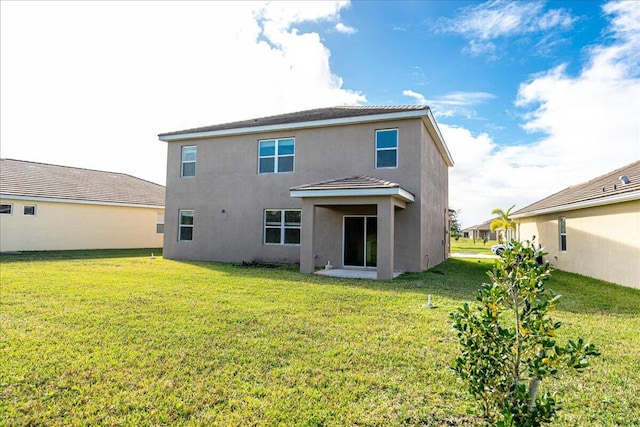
(381, 197)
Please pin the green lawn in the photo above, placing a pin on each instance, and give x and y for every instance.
(466, 245)
(117, 338)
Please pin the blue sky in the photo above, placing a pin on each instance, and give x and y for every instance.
(531, 97)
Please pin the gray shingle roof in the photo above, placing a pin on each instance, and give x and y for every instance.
(317, 114)
(30, 179)
(600, 188)
(352, 182)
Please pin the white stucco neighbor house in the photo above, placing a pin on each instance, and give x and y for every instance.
(591, 228)
(51, 207)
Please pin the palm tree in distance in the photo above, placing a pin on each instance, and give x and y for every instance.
(503, 221)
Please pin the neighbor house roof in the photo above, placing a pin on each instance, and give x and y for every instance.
(319, 117)
(360, 185)
(40, 181)
(617, 186)
(484, 226)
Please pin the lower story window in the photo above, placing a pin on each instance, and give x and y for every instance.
(562, 225)
(185, 228)
(160, 223)
(282, 226)
(6, 209)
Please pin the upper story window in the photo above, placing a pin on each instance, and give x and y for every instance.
(386, 148)
(562, 231)
(185, 226)
(188, 167)
(276, 155)
(29, 210)
(6, 209)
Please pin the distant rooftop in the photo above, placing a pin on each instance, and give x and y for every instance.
(41, 180)
(318, 114)
(604, 189)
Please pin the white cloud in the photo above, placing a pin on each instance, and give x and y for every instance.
(341, 28)
(419, 99)
(451, 104)
(590, 122)
(85, 84)
(484, 23)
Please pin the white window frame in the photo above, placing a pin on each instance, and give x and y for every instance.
(10, 209)
(396, 148)
(276, 155)
(282, 226)
(35, 210)
(160, 223)
(181, 226)
(562, 223)
(183, 162)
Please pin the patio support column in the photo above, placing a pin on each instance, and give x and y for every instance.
(307, 262)
(386, 239)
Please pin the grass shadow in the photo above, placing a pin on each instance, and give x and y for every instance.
(29, 256)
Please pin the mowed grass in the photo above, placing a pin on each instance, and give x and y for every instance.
(117, 338)
(466, 245)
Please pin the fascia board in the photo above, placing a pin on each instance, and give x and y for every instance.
(299, 125)
(620, 198)
(355, 192)
(76, 201)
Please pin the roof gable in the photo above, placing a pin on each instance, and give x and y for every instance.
(40, 180)
(605, 189)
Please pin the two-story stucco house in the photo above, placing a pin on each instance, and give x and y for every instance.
(359, 187)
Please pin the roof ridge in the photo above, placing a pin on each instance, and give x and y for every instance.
(613, 172)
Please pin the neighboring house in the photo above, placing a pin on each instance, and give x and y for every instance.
(480, 231)
(592, 228)
(49, 207)
(356, 187)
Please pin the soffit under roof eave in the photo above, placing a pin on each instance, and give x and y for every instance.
(398, 193)
(620, 198)
(43, 199)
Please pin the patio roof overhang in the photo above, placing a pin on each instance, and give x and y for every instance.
(354, 190)
(355, 186)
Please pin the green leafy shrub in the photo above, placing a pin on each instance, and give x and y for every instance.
(508, 342)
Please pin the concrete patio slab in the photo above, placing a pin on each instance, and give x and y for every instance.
(353, 273)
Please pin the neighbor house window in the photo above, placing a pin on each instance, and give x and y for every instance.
(6, 209)
(276, 155)
(562, 226)
(386, 148)
(29, 210)
(185, 229)
(282, 227)
(160, 222)
(188, 167)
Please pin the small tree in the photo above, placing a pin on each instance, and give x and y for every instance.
(454, 224)
(508, 342)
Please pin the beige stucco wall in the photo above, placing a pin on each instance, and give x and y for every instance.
(228, 195)
(602, 242)
(66, 226)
